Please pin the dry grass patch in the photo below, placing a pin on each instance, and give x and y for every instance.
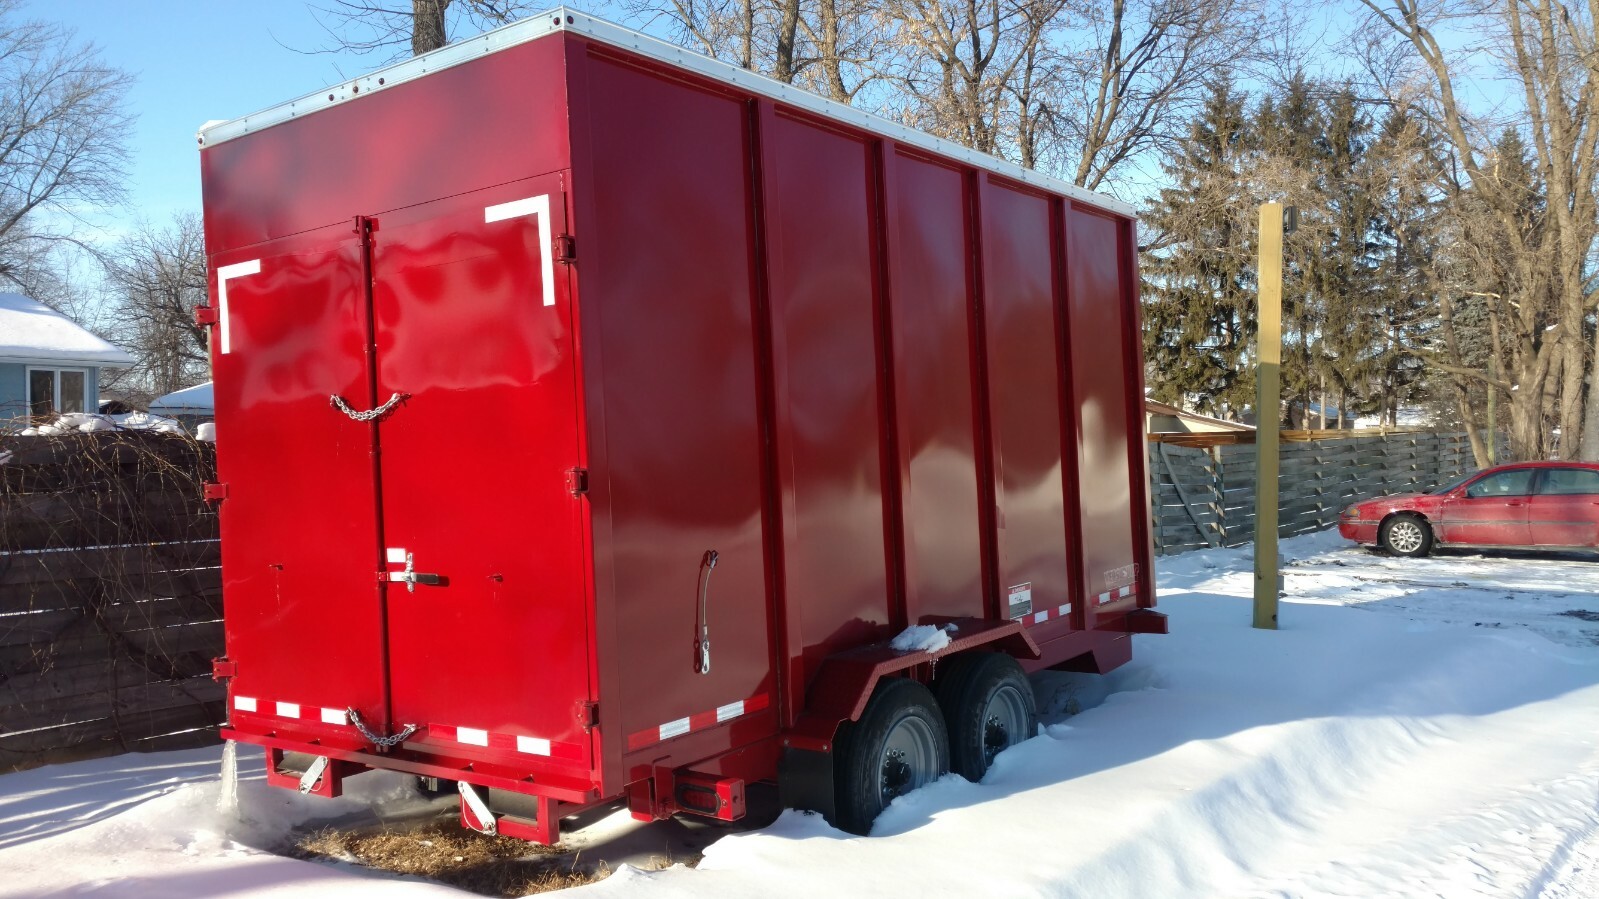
(446, 852)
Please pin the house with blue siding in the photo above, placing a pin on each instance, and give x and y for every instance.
(48, 363)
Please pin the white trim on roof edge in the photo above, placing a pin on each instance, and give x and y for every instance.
(565, 19)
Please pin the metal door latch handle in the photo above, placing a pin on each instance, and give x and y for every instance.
(702, 642)
(410, 577)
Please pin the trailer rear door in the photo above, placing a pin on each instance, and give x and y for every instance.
(299, 535)
(487, 619)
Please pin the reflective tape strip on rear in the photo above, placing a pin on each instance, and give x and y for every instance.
(520, 743)
(698, 722)
(1118, 593)
(1044, 615)
(295, 710)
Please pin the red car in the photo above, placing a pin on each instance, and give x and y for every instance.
(1543, 505)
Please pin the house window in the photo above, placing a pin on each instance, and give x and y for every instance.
(57, 390)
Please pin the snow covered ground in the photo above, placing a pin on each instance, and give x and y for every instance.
(1416, 728)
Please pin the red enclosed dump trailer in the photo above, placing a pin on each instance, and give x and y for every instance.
(592, 415)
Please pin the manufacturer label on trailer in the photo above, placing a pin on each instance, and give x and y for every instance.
(1121, 577)
(1021, 600)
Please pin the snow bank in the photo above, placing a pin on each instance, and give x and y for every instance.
(1416, 728)
(140, 825)
(75, 422)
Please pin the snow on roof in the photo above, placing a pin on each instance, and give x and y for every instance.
(30, 331)
(1157, 407)
(1408, 417)
(189, 399)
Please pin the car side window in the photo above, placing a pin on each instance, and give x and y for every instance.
(1517, 482)
(1569, 481)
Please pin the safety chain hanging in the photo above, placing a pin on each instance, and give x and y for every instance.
(381, 742)
(371, 414)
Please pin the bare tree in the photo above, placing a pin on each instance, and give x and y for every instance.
(1135, 70)
(840, 46)
(1539, 227)
(728, 30)
(63, 128)
(968, 61)
(397, 28)
(156, 277)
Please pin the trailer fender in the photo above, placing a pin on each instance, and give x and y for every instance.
(845, 680)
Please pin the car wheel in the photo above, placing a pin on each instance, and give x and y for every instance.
(1406, 535)
(989, 707)
(899, 744)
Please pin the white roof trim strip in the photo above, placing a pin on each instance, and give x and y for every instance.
(565, 19)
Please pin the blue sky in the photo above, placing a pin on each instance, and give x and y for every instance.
(196, 60)
(193, 61)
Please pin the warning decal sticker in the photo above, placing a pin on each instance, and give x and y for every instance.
(1021, 600)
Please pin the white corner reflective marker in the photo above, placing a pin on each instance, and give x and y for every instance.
(539, 206)
(225, 274)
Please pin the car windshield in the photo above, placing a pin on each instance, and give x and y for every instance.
(1450, 485)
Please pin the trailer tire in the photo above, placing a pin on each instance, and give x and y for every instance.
(988, 705)
(898, 745)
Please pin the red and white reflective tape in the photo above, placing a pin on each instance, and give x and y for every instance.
(698, 722)
(466, 736)
(1119, 593)
(255, 705)
(472, 736)
(1044, 615)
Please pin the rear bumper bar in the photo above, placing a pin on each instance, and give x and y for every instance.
(562, 789)
(1147, 621)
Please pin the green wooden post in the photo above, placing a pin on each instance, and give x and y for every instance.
(1268, 392)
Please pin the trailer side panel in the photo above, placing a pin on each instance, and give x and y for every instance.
(1111, 528)
(821, 246)
(666, 290)
(930, 257)
(1024, 402)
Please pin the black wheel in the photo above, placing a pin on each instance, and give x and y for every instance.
(989, 706)
(898, 745)
(1405, 535)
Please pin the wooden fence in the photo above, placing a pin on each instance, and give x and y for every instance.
(110, 590)
(110, 596)
(1205, 496)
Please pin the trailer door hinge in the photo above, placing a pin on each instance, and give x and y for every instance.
(205, 315)
(215, 493)
(577, 481)
(563, 249)
(223, 668)
(588, 714)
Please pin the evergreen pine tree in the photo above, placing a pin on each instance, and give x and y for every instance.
(1199, 321)
(1293, 153)
(1400, 173)
(1345, 346)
